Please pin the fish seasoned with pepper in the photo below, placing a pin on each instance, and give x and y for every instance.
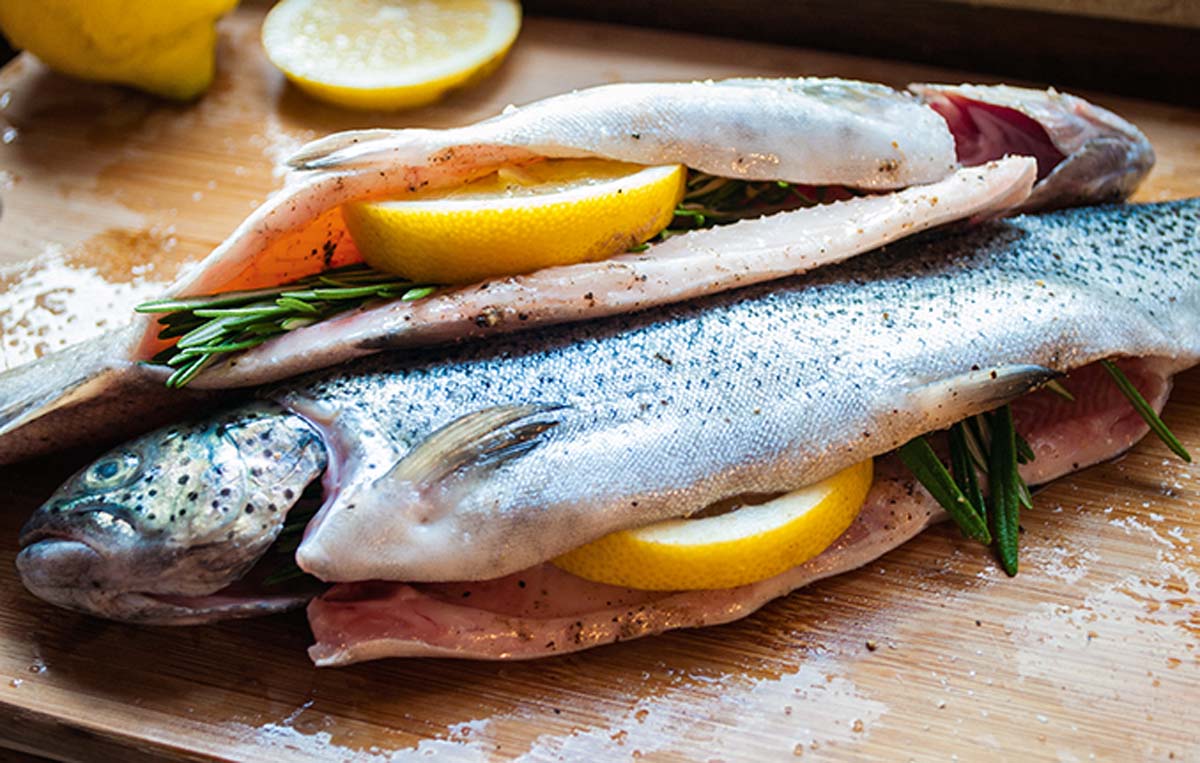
(798, 173)
(468, 493)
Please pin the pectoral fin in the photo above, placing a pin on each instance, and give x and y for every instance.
(483, 440)
(976, 390)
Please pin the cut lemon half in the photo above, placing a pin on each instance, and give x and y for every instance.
(388, 54)
(743, 546)
(518, 219)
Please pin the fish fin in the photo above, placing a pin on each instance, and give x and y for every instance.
(342, 149)
(980, 389)
(484, 439)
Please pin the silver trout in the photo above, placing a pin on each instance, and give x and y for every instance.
(810, 131)
(490, 458)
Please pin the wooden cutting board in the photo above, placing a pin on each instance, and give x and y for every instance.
(928, 653)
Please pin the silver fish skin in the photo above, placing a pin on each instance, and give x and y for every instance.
(805, 130)
(155, 529)
(488, 458)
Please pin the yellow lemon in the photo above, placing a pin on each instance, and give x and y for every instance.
(742, 546)
(166, 48)
(518, 219)
(388, 54)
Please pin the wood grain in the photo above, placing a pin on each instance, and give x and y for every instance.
(1134, 54)
(930, 652)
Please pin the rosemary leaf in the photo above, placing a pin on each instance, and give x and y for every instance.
(1024, 452)
(920, 459)
(1055, 386)
(963, 468)
(1003, 491)
(1145, 410)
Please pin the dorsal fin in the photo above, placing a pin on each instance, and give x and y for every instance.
(485, 439)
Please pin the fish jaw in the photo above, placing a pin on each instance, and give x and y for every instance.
(1086, 154)
(64, 572)
(151, 528)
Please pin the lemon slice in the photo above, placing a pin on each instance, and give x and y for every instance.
(743, 546)
(388, 54)
(518, 219)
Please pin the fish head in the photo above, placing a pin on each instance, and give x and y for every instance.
(151, 530)
(1086, 154)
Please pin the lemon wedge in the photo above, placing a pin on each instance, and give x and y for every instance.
(163, 48)
(518, 219)
(388, 54)
(742, 546)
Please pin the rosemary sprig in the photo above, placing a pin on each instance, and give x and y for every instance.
(986, 444)
(710, 200)
(210, 327)
(1147, 413)
(919, 457)
(989, 444)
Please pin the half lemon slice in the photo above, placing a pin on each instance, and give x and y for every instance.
(743, 546)
(388, 54)
(518, 219)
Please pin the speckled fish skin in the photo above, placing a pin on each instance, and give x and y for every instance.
(563, 436)
(493, 457)
(803, 130)
(151, 530)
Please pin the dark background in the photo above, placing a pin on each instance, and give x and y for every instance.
(1146, 60)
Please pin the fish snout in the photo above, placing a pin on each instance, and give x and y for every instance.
(58, 569)
(98, 525)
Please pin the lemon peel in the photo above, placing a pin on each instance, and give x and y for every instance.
(518, 219)
(393, 54)
(164, 48)
(743, 546)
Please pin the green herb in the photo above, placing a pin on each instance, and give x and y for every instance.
(710, 200)
(989, 443)
(210, 327)
(1147, 413)
(919, 457)
(985, 444)
(1005, 488)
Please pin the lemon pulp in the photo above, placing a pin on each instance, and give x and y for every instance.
(518, 219)
(388, 54)
(742, 546)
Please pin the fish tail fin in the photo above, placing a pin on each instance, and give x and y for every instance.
(483, 440)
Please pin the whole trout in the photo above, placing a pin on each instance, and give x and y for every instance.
(487, 458)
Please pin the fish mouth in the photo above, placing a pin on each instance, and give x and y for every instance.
(63, 570)
(101, 521)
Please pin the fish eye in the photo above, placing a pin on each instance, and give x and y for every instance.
(112, 471)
